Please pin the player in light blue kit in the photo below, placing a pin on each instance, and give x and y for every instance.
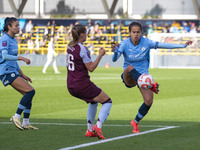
(136, 50)
(11, 74)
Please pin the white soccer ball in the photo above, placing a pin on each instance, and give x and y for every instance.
(145, 81)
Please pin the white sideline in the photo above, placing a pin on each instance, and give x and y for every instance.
(160, 128)
(117, 138)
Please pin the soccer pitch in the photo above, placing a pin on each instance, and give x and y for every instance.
(173, 121)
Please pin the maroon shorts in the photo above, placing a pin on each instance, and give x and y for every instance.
(86, 92)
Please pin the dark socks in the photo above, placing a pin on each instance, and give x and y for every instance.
(25, 101)
(143, 110)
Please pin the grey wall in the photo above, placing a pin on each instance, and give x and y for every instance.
(157, 61)
(169, 61)
(40, 60)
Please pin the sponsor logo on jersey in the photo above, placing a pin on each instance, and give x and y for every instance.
(130, 50)
(4, 43)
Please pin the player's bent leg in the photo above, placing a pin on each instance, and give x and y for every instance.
(128, 80)
(134, 73)
(144, 108)
(91, 113)
(25, 104)
(101, 98)
(21, 85)
(106, 102)
(147, 96)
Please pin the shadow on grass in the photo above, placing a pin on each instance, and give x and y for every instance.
(60, 133)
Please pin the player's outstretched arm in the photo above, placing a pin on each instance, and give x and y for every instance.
(91, 66)
(171, 45)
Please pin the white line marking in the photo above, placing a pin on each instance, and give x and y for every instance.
(117, 138)
(107, 140)
(70, 124)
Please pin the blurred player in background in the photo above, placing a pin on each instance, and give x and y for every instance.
(136, 51)
(51, 56)
(78, 81)
(11, 74)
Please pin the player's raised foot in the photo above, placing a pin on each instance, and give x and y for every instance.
(90, 134)
(155, 88)
(135, 126)
(17, 123)
(98, 132)
(30, 127)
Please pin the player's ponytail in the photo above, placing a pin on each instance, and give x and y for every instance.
(76, 32)
(8, 22)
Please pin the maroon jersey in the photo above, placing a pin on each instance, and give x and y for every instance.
(77, 71)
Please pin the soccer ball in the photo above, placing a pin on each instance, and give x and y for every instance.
(145, 81)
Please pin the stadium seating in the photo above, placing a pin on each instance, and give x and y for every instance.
(94, 44)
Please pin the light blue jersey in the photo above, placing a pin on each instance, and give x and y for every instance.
(8, 55)
(139, 55)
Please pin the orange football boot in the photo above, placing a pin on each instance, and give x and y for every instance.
(98, 132)
(135, 126)
(90, 134)
(155, 88)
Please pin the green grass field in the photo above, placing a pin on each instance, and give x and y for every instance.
(61, 118)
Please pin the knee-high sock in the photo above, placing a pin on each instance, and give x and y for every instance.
(91, 112)
(25, 101)
(143, 110)
(27, 111)
(104, 112)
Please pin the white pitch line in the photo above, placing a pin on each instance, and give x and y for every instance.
(107, 140)
(70, 124)
(117, 138)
